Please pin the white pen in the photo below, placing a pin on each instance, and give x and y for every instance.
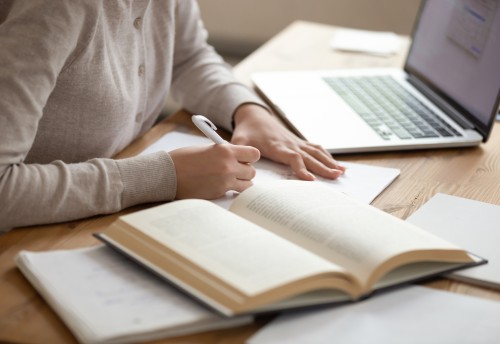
(208, 128)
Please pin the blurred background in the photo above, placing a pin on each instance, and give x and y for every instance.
(237, 27)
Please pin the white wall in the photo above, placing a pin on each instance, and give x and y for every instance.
(240, 26)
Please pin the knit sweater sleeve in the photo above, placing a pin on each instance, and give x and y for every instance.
(35, 49)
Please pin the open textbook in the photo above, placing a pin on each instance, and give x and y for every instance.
(281, 245)
(363, 182)
(105, 298)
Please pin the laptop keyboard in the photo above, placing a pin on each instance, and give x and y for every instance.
(390, 109)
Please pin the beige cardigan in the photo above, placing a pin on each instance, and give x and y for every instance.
(81, 79)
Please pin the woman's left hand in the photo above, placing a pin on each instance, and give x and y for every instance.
(255, 126)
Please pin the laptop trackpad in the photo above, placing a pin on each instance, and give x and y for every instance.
(328, 122)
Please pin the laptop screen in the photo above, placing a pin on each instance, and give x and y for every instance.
(456, 51)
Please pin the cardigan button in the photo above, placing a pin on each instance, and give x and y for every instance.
(138, 23)
(141, 70)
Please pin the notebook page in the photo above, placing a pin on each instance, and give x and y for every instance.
(101, 295)
(361, 181)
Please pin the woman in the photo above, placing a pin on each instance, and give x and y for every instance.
(80, 80)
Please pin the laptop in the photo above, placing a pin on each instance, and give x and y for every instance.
(447, 95)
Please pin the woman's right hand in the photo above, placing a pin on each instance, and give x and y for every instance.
(208, 172)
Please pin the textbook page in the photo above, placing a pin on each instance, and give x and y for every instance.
(470, 224)
(105, 298)
(412, 315)
(363, 182)
(235, 252)
(364, 240)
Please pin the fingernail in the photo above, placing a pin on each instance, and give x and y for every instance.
(337, 172)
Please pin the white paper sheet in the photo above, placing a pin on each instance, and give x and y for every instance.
(363, 182)
(470, 224)
(411, 315)
(369, 42)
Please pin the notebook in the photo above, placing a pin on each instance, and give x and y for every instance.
(104, 298)
(447, 95)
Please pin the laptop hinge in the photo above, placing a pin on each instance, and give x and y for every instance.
(441, 103)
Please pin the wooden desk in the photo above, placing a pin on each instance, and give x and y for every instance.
(472, 173)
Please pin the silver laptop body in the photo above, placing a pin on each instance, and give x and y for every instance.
(446, 96)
